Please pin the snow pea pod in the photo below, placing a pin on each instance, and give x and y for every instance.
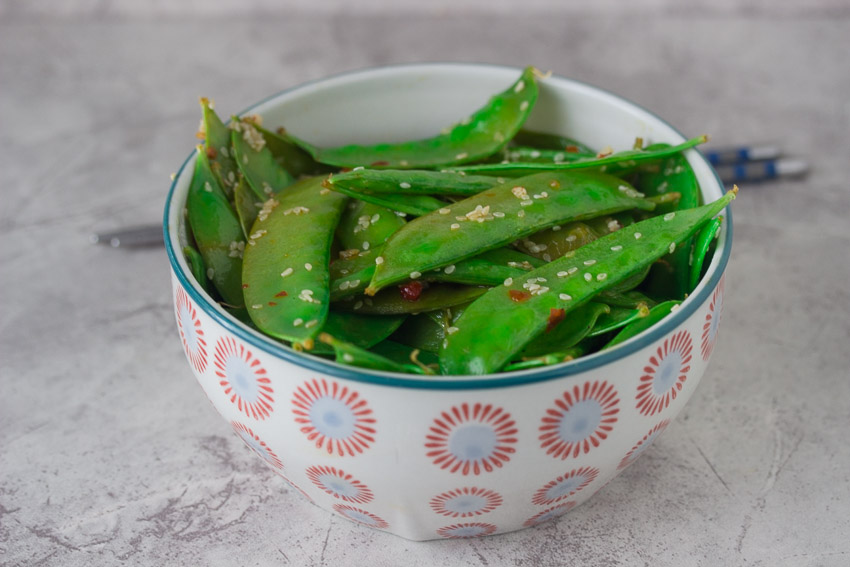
(347, 353)
(702, 246)
(528, 154)
(616, 318)
(484, 133)
(196, 264)
(567, 332)
(546, 141)
(525, 308)
(363, 331)
(496, 217)
(620, 161)
(289, 156)
(391, 302)
(261, 171)
(416, 205)
(421, 332)
(630, 299)
(655, 315)
(217, 231)
(365, 226)
(547, 359)
(246, 205)
(411, 182)
(217, 145)
(404, 354)
(285, 272)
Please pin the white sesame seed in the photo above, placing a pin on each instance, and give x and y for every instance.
(414, 275)
(210, 273)
(589, 262)
(638, 235)
(565, 297)
(444, 211)
(520, 213)
(587, 277)
(452, 330)
(508, 281)
(499, 214)
(355, 283)
(669, 216)
(454, 226)
(556, 228)
(519, 86)
(348, 357)
(358, 305)
(547, 257)
(344, 285)
(296, 211)
(614, 225)
(562, 274)
(366, 245)
(450, 269)
(404, 185)
(672, 247)
(324, 191)
(534, 154)
(616, 248)
(257, 306)
(286, 272)
(358, 168)
(571, 238)
(662, 188)
(526, 203)
(520, 192)
(601, 277)
(379, 260)
(311, 323)
(462, 155)
(308, 266)
(400, 214)
(572, 270)
(523, 106)
(499, 137)
(375, 218)
(403, 163)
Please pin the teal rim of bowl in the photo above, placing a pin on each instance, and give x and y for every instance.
(442, 382)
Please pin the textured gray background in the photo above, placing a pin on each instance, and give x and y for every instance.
(110, 456)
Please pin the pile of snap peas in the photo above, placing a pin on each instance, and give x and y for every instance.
(487, 248)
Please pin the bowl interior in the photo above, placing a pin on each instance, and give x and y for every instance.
(392, 104)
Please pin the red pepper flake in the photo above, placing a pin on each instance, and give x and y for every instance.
(555, 317)
(244, 286)
(518, 296)
(411, 290)
(572, 149)
(211, 153)
(344, 170)
(380, 163)
(281, 294)
(272, 303)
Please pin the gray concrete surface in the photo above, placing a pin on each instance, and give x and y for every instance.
(110, 456)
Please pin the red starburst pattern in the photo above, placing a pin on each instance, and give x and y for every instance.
(712, 319)
(581, 419)
(550, 514)
(466, 531)
(243, 379)
(665, 374)
(466, 502)
(564, 486)
(361, 516)
(334, 417)
(191, 332)
(643, 444)
(471, 438)
(339, 484)
(257, 445)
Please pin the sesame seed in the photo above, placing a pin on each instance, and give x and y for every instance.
(587, 277)
(547, 257)
(571, 238)
(572, 270)
(210, 273)
(245, 159)
(526, 203)
(534, 154)
(311, 323)
(454, 226)
(519, 86)
(508, 281)
(589, 262)
(601, 277)
(355, 283)
(400, 214)
(500, 180)
(462, 155)
(520, 213)
(358, 168)
(523, 106)
(366, 245)
(449, 269)
(565, 297)
(324, 191)
(669, 216)
(556, 228)
(452, 330)
(308, 266)
(223, 150)
(638, 235)
(296, 211)
(499, 214)
(562, 274)
(257, 306)
(403, 163)
(358, 305)
(344, 285)
(520, 192)
(616, 248)
(444, 211)
(208, 187)
(499, 137)
(414, 275)
(379, 260)
(614, 225)
(662, 188)
(286, 272)
(375, 218)
(298, 322)
(348, 357)
(672, 247)
(404, 185)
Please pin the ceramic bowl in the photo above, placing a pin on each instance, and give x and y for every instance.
(447, 457)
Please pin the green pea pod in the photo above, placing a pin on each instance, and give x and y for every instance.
(629, 299)
(217, 231)
(403, 354)
(545, 141)
(411, 182)
(363, 331)
(666, 202)
(478, 270)
(567, 332)
(617, 318)
(655, 315)
(496, 217)
(528, 154)
(619, 162)
(286, 274)
(524, 309)
(245, 202)
(416, 205)
(217, 146)
(289, 156)
(391, 302)
(482, 134)
(196, 264)
(702, 248)
(421, 332)
(547, 359)
(347, 353)
(265, 177)
(364, 226)
(350, 276)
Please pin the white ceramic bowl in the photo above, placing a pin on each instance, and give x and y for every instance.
(442, 457)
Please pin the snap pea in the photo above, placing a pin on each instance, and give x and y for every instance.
(416, 205)
(702, 246)
(217, 231)
(347, 353)
(404, 354)
(542, 140)
(289, 156)
(363, 331)
(364, 226)
(620, 161)
(631, 299)
(529, 154)
(567, 332)
(546, 359)
(524, 309)
(411, 182)
(617, 318)
(485, 132)
(496, 217)
(255, 161)
(245, 203)
(422, 332)
(655, 315)
(391, 302)
(217, 145)
(285, 272)
(196, 264)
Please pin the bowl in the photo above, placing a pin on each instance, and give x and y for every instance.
(447, 456)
